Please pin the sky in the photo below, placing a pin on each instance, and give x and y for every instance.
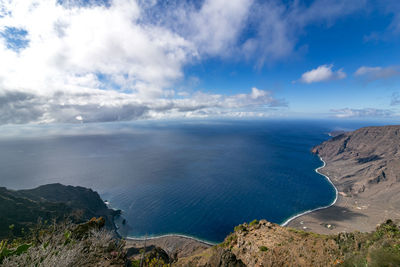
(66, 61)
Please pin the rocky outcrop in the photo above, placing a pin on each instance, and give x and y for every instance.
(224, 258)
(267, 244)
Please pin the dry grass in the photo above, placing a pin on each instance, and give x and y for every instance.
(57, 246)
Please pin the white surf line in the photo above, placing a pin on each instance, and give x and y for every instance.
(133, 238)
(170, 235)
(320, 208)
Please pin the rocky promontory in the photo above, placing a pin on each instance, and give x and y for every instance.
(21, 209)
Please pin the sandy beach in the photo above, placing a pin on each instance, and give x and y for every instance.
(176, 246)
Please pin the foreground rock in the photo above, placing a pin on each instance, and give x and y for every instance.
(267, 244)
(364, 165)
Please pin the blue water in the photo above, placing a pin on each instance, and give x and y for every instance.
(193, 178)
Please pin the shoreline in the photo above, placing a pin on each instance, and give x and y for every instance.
(285, 223)
(157, 237)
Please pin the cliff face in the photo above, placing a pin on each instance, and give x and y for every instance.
(366, 161)
(23, 208)
(364, 165)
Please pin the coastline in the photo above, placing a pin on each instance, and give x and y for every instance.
(175, 245)
(365, 167)
(165, 241)
(285, 223)
(209, 243)
(143, 239)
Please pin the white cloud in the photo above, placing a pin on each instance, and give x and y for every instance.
(108, 62)
(365, 112)
(376, 73)
(395, 99)
(321, 74)
(68, 46)
(216, 26)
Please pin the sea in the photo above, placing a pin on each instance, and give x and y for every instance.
(198, 178)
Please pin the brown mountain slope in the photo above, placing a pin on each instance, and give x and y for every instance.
(364, 165)
(267, 244)
(366, 161)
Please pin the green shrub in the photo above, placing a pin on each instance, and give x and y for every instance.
(240, 227)
(228, 240)
(254, 222)
(135, 263)
(18, 249)
(263, 248)
(57, 246)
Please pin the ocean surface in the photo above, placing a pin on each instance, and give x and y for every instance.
(197, 178)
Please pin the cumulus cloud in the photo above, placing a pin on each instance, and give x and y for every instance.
(72, 47)
(321, 74)
(377, 73)
(215, 28)
(365, 112)
(104, 61)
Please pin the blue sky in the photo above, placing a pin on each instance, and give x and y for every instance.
(120, 60)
